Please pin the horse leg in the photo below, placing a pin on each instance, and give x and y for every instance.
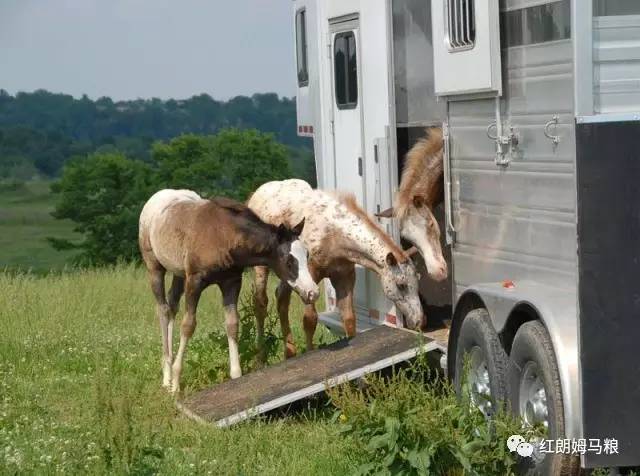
(175, 293)
(156, 277)
(193, 289)
(283, 296)
(310, 321)
(344, 282)
(230, 293)
(260, 305)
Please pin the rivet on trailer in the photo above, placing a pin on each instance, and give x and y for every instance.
(539, 102)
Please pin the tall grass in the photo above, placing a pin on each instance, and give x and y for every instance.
(412, 422)
(80, 394)
(80, 388)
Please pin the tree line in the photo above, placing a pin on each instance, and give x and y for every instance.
(107, 157)
(41, 131)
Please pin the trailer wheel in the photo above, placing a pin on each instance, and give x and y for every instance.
(487, 359)
(535, 394)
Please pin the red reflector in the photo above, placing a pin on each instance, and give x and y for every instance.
(311, 129)
(305, 129)
(299, 128)
(391, 319)
(508, 284)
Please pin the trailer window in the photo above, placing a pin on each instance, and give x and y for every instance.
(461, 19)
(301, 48)
(537, 24)
(606, 8)
(345, 70)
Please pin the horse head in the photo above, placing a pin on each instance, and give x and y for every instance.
(400, 284)
(419, 226)
(292, 263)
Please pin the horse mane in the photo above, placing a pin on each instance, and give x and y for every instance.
(349, 201)
(247, 222)
(421, 172)
(237, 208)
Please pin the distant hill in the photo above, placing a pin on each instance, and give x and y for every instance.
(40, 131)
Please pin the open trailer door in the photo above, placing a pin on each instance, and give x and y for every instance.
(357, 100)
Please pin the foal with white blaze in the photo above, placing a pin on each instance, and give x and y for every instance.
(421, 190)
(203, 242)
(338, 235)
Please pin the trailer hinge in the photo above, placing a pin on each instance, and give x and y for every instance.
(448, 189)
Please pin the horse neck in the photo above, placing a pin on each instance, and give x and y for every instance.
(363, 244)
(429, 179)
(258, 247)
(424, 176)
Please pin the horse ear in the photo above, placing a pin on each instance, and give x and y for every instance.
(418, 201)
(391, 259)
(283, 233)
(297, 230)
(388, 213)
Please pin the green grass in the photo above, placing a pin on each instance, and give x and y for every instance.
(80, 389)
(80, 393)
(25, 224)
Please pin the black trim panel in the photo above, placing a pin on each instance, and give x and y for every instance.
(608, 174)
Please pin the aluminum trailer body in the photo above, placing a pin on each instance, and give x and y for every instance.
(540, 104)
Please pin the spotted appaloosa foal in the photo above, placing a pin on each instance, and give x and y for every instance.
(203, 242)
(421, 190)
(338, 235)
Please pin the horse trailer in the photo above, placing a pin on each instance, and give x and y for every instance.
(539, 102)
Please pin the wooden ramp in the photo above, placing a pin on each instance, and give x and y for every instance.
(308, 374)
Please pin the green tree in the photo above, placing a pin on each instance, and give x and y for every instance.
(232, 163)
(103, 195)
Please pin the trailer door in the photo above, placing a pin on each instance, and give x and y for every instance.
(346, 123)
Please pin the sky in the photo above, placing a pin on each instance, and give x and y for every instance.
(129, 49)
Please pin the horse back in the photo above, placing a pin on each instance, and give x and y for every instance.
(188, 234)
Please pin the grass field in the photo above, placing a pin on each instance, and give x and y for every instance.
(80, 389)
(80, 393)
(25, 224)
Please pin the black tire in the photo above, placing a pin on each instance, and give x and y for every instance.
(477, 332)
(532, 347)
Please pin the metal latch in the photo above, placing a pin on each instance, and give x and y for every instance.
(360, 166)
(506, 145)
(553, 122)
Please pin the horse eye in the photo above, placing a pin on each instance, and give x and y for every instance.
(291, 262)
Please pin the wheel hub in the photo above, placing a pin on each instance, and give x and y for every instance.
(479, 381)
(533, 396)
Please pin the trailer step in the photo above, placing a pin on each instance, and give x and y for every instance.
(308, 374)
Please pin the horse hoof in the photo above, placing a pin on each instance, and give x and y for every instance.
(290, 351)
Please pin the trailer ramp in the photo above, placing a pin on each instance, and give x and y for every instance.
(308, 374)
